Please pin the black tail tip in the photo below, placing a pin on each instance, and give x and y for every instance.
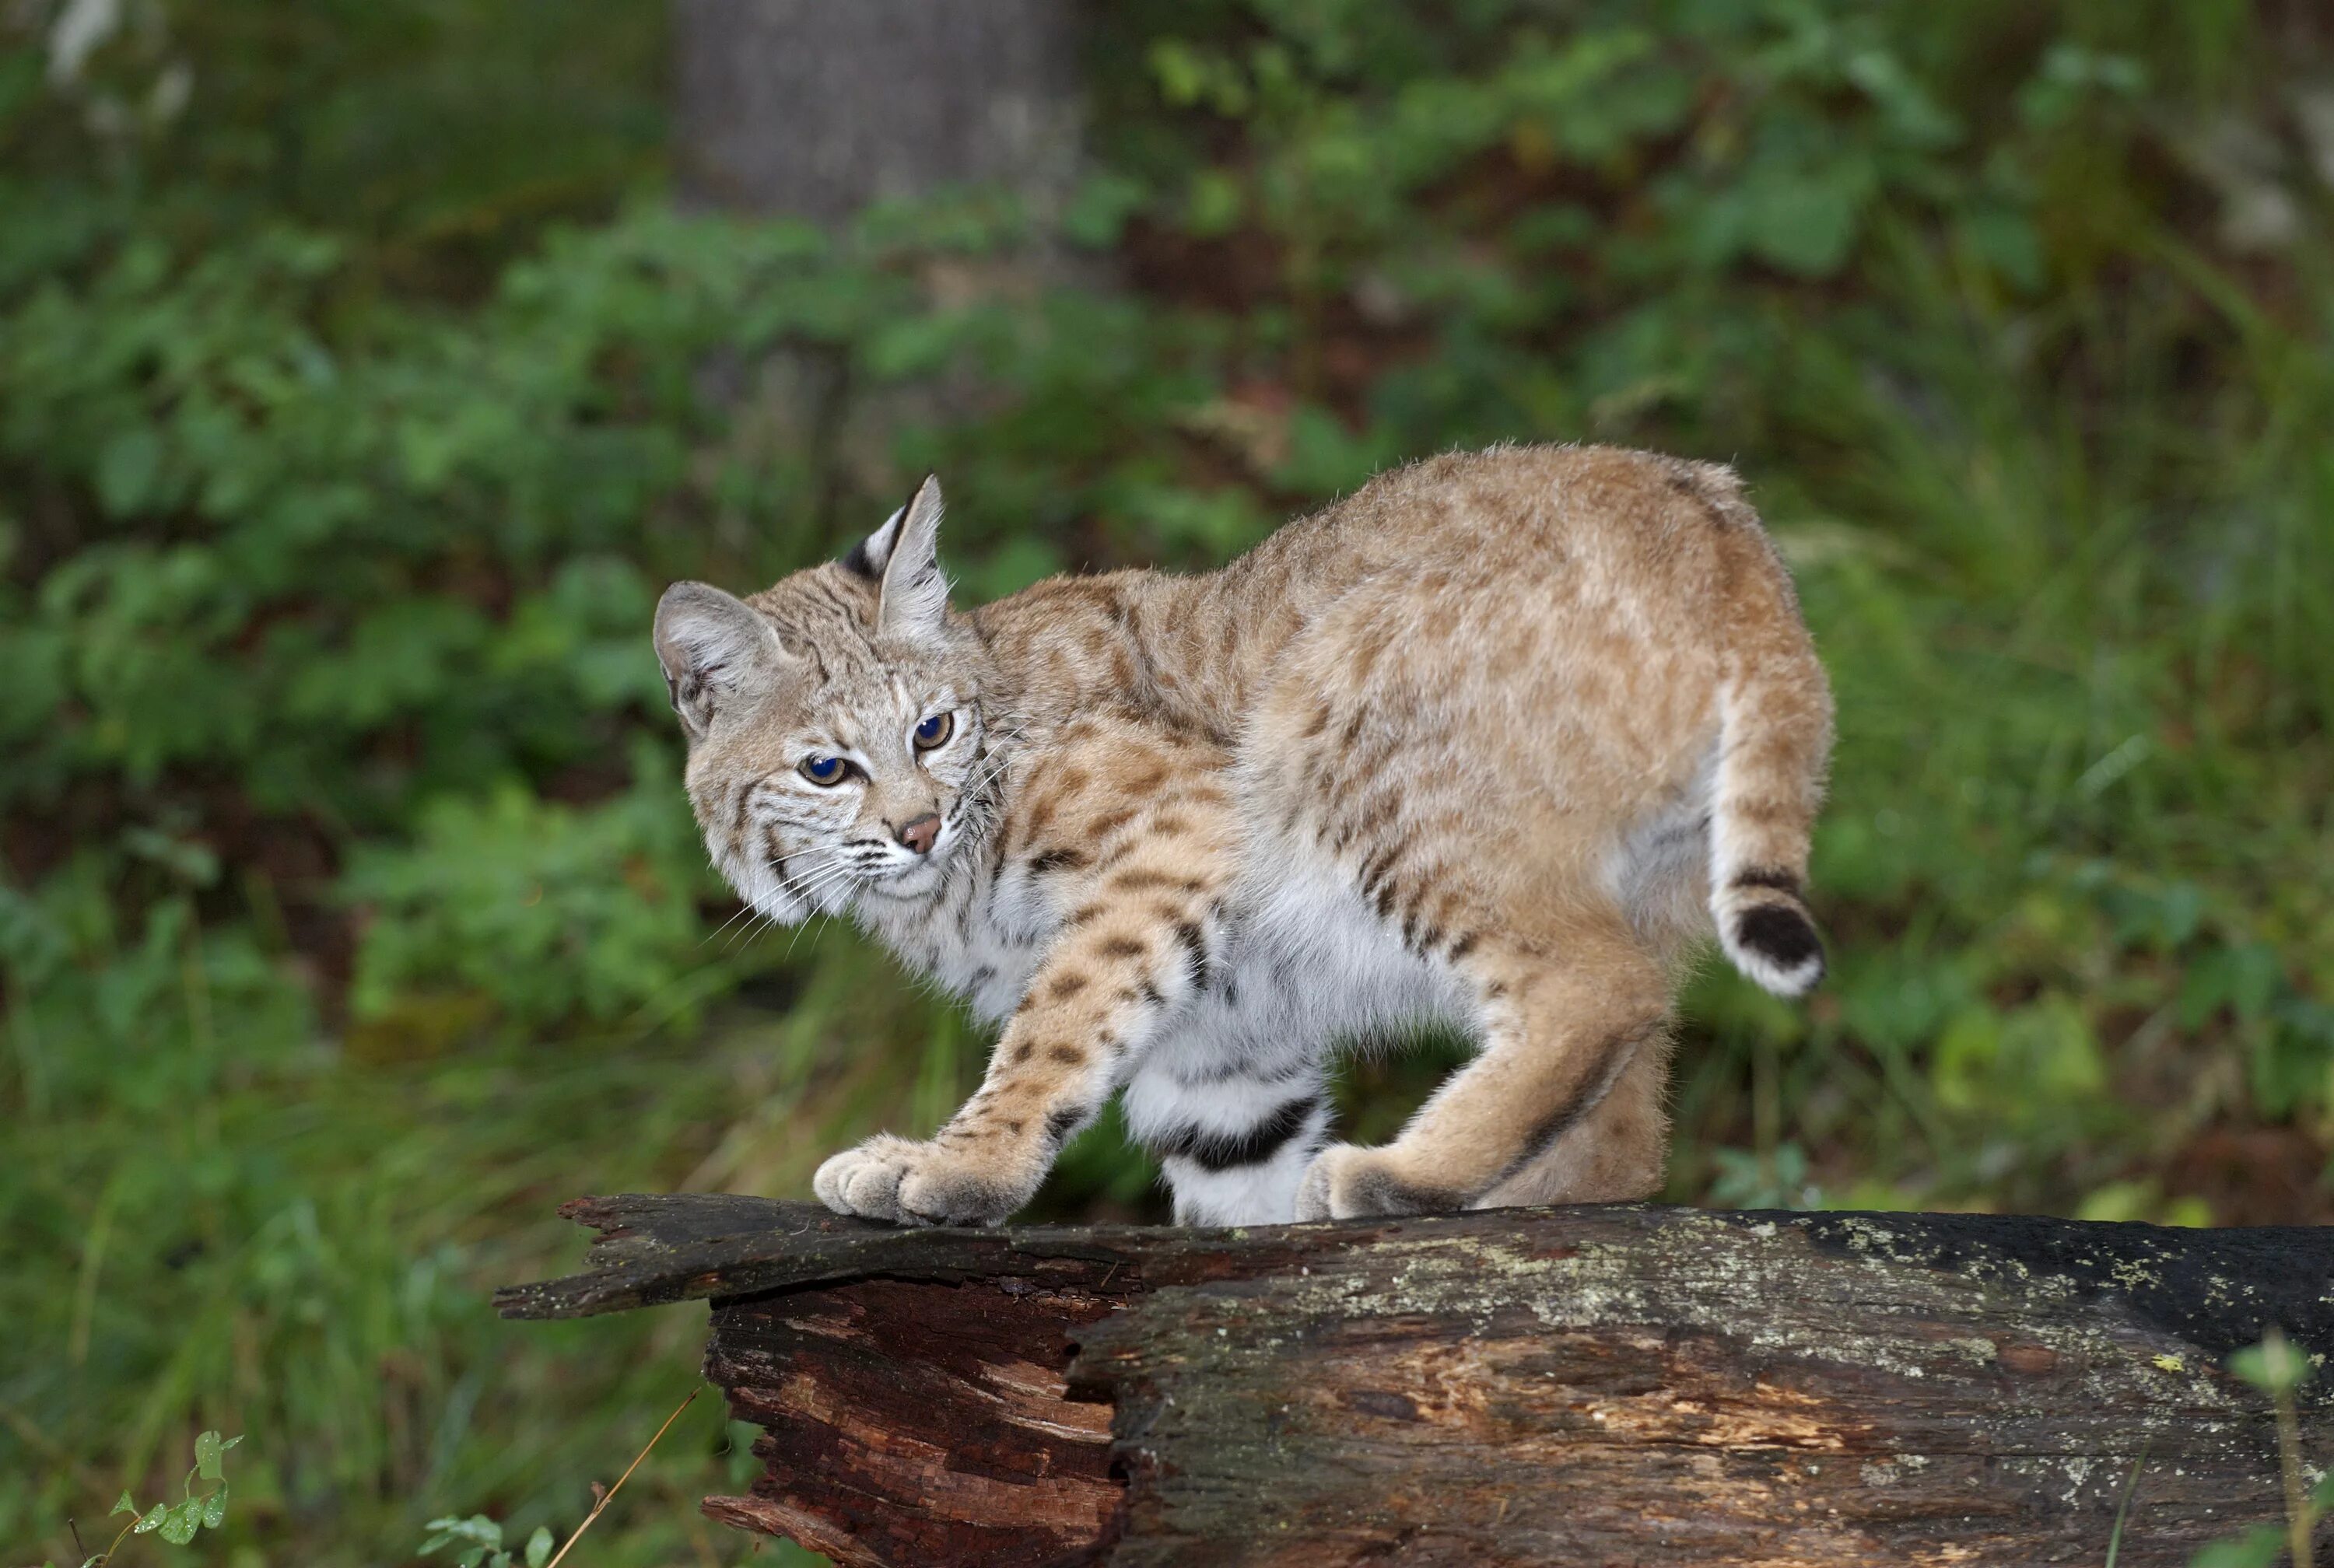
(1783, 950)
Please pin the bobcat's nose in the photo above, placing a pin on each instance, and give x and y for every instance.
(919, 835)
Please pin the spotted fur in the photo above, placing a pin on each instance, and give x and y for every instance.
(1494, 742)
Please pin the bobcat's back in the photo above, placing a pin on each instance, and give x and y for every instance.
(1588, 650)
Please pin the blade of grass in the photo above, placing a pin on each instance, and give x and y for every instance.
(606, 1497)
(2123, 1509)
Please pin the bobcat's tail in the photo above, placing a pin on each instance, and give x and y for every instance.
(1774, 744)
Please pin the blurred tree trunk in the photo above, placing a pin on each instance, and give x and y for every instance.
(815, 108)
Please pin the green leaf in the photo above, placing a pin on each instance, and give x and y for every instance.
(2258, 1547)
(214, 1507)
(1213, 205)
(208, 1450)
(129, 469)
(538, 1547)
(2274, 1366)
(2293, 1063)
(1914, 115)
(153, 1521)
(2007, 241)
(480, 1534)
(477, 1529)
(179, 1525)
(125, 1505)
(2244, 978)
(1805, 223)
(1098, 210)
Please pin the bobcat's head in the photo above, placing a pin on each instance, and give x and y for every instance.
(838, 746)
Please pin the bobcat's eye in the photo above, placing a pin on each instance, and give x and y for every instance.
(935, 731)
(825, 771)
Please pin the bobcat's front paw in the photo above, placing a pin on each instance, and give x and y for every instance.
(1345, 1181)
(911, 1183)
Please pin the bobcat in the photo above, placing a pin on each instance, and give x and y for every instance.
(1492, 741)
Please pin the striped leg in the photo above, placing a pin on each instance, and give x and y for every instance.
(1234, 1130)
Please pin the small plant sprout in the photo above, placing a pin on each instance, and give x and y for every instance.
(478, 1540)
(2279, 1369)
(178, 1522)
(478, 1543)
(2276, 1368)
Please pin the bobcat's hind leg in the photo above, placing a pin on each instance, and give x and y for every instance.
(1619, 1153)
(1565, 1019)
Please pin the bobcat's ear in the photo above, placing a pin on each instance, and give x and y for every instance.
(914, 599)
(712, 646)
(870, 555)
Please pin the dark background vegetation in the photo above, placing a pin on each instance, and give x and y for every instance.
(362, 383)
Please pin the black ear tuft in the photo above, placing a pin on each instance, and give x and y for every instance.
(871, 555)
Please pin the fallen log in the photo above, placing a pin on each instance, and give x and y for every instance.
(1595, 1385)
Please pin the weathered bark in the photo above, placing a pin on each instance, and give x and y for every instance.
(1591, 1386)
(815, 108)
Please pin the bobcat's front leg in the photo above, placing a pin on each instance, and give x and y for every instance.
(1135, 945)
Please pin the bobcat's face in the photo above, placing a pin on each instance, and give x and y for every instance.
(839, 748)
(823, 789)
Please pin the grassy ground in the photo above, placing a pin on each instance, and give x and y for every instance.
(349, 420)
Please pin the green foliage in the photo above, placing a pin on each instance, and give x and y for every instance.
(478, 1540)
(179, 1522)
(359, 390)
(1746, 1178)
(511, 897)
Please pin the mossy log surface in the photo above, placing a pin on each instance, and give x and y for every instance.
(1594, 1385)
